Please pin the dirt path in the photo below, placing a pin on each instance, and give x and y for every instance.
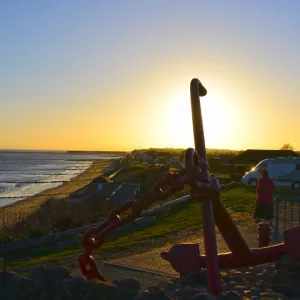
(151, 261)
(141, 266)
(110, 272)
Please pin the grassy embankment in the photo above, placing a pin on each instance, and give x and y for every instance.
(240, 202)
(168, 225)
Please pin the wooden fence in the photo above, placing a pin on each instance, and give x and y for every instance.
(72, 237)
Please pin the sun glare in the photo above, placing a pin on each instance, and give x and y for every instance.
(178, 118)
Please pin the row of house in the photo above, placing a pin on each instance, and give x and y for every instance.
(155, 157)
(252, 156)
(225, 164)
(118, 193)
(102, 189)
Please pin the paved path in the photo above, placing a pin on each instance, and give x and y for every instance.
(148, 268)
(110, 272)
(146, 279)
(151, 261)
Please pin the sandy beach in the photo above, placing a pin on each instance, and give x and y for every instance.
(38, 204)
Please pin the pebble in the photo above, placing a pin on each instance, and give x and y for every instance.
(232, 295)
(131, 284)
(280, 280)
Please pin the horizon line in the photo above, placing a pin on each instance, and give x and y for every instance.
(70, 150)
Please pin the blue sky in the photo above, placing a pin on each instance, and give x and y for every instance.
(69, 69)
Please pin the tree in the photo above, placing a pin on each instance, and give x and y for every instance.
(287, 147)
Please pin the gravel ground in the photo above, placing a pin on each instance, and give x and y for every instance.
(157, 276)
(57, 283)
(151, 261)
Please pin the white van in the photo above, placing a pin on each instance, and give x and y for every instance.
(285, 171)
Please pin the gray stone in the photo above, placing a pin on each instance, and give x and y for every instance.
(202, 288)
(287, 259)
(224, 274)
(72, 294)
(203, 296)
(287, 263)
(263, 273)
(76, 283)
(169, 289)
(269, 296)
(255, 292)
(224, 282)
(50, 274)
(146, 295)
(15, 285)
(186, 293)
(61, 296)
(240, 289)
(282, 277)
(262, 286)
(271, 268)
(155, 289)
(252, 293)
(231, 285)
(252, 279)
(232, 295)
(48, 288)
(239, 279)
(286, 289)
(107, 290)
(131, 284)
(195, 278)
(285, 297)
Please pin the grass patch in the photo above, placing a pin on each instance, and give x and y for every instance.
(240, 203)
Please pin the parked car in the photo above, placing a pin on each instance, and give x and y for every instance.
(285, 171)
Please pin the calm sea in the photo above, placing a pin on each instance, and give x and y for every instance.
(24, 174)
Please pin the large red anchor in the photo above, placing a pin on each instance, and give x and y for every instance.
(186, 258)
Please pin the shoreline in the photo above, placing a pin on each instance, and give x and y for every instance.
(60, 192)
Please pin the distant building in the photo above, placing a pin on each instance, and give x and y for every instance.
(175, 160)
(144, 157)
(154, 156)
(255, 156)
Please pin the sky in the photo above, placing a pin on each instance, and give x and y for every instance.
(115, 75)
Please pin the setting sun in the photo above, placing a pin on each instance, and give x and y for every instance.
(177, 119)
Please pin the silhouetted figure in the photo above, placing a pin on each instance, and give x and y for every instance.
(264, 201)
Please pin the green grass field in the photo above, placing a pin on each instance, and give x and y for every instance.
(239, 201)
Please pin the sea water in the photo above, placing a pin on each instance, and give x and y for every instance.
(24, 174)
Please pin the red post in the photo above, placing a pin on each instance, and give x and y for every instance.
(264, 234)
(197, 90)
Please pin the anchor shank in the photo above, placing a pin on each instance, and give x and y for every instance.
(229, 231)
